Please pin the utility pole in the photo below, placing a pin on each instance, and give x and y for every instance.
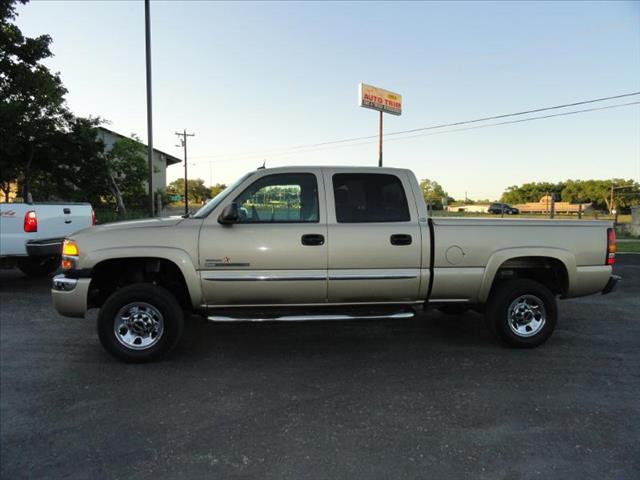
(147, 30)
(611, 209)
(611, 200)
(183, 141)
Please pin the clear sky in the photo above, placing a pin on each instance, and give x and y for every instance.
(252, 79)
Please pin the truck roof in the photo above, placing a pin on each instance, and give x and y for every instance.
(334, 167)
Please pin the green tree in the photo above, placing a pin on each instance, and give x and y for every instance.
(196, 189)
(598, 192)
(531, 192)
(32, 104)
(625, 193)
(126, 170)
(216, 189)
(433, 193)
(76, 165)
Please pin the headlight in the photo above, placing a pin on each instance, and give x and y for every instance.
(69, 247)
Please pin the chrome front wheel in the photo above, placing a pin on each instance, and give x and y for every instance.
(140, 322)
(138, 326)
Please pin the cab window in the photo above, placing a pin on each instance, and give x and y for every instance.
(369, 197)
(280, 198)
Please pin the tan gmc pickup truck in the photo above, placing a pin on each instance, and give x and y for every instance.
(326, 243)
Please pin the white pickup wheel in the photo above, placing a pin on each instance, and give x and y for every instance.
(38, 266)
(522, 313)
(140, 322)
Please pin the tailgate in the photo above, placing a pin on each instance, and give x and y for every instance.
(57, 221)
(12, 234)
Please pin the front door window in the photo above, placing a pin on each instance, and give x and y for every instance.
(280, 198)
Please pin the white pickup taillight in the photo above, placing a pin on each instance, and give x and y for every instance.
(30, 222)
(611, 246)
(93, 217)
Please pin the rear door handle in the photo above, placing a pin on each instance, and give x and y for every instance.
(313, 239)
(400, 239)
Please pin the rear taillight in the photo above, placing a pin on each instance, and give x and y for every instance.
(93, 217)
(30, 222)
(611, 246)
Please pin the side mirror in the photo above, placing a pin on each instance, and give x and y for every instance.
(229, 214)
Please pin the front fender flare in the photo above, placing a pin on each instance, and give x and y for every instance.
(176, 255)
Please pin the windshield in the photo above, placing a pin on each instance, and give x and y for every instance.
(215, 201)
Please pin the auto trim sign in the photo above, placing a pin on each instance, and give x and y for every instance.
(380, 99)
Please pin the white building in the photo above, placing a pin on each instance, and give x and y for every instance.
(468, 208)
(161, 160)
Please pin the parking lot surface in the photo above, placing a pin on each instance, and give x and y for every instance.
(430, 397)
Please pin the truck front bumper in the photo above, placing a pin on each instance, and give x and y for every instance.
(611, 284)
(70, 295)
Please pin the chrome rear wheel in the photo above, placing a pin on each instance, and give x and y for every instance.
(527, 315)
(522, 312)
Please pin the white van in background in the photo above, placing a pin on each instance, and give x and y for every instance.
(31, 234)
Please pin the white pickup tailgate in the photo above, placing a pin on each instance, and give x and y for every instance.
(55, 220)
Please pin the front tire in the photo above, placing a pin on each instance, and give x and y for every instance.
(140, 322)
(522, 313)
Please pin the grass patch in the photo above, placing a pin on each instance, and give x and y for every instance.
(629, 247)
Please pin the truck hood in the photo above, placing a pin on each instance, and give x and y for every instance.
(146, 222)
(129, 224)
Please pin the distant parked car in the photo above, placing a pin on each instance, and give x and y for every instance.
(31, 234)
(497, 208)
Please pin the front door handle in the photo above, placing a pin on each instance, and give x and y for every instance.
(401, 239)
(313, 239)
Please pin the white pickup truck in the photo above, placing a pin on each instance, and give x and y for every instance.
(326, 243)
(31, 234)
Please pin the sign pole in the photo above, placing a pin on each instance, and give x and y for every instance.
(383, 101)
(380, 143)
(147, 43)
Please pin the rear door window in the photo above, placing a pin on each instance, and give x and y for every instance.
(369, 198)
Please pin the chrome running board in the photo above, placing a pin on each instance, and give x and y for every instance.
(301, 318)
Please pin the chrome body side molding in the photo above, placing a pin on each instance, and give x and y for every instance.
(372, 276)
(263, 278)
(448, 300)
(287, 277)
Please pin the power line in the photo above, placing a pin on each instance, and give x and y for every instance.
(540, 117)
(432, 127)
(333, 146)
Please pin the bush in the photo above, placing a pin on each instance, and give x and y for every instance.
(108, 215)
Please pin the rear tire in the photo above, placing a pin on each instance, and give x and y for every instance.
(140, 323)
(522, 313)
(38, 266)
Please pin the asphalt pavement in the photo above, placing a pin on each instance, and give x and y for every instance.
(431, 397)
